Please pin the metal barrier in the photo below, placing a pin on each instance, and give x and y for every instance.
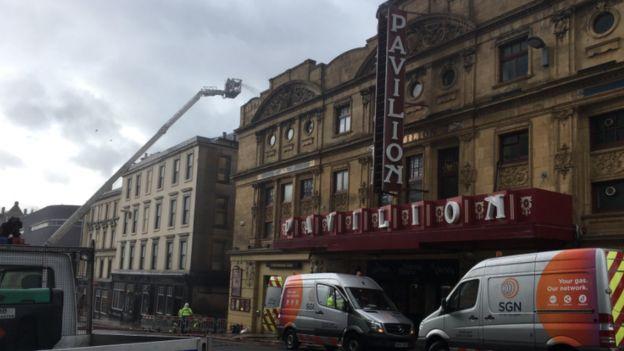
(178, 325)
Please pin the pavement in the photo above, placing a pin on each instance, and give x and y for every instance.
(225, 341)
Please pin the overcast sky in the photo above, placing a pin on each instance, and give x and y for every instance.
(84, 83)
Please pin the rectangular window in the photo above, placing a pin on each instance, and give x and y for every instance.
(131, 257)
(112, 237)
(183, 250)
(125, 221)
(414, 177)
(268, 196)
(137, 186)
(343, 119)
(514, 60)
(135, 219)
(176, 171)
(146, 211)
(608, 196)
(607, 130)
(307, 188)
(514, 147)
(186, 209)
(341, 181)
(106, 212)
(218, 256)
(223, 171)
(464, 297)
(189, 166)
(173, 204)
(122, 255)
(169, 257)
(154, 262)
(110, 268)
(287, 192)
(101, 270)
(142, 257)
(221, 205)
(148, 181)
(268, 230)
(128, 187)
(160, 300)
(169, 308)
(161, 176)
(118, 298)
(157, 215)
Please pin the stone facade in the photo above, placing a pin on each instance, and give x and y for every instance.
(484, 112)
(98, 231)
(174, 227)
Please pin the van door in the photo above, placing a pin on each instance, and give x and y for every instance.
(508, 312)
(462, 320)
(331, 318)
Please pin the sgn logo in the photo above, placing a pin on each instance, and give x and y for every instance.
(510, 288)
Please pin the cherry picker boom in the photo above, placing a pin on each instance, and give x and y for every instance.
(231, 90)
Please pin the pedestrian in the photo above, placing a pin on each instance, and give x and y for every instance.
(184, 313)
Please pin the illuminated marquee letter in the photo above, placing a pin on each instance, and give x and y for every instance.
(308, 224)
(355, 223)
(288, 225)
(392, 169)
(451, 212)
(415, 214)
(330, 221)
(398, 22)
(496, 207)
(383, 222)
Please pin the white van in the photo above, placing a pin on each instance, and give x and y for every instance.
(331, 310)
(558, 300)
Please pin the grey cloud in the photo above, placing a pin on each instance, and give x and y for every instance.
(146, 58)
(8, 160)
(56, 177)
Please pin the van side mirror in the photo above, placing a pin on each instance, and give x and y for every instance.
(443, 305)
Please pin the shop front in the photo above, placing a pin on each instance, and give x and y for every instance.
(418, 251)
(255, 283)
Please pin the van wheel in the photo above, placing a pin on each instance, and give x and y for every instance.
(352, 343)
(291, 340)
(438, 346)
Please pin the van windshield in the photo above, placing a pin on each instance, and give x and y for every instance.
(371, 299)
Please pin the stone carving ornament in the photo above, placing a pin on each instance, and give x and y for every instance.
(563, 160)
(433, 30)
(285, 98)
(468, 175)
(561, 22)
(609, 164)
(513, 176)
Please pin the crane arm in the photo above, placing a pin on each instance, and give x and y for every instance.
(232, 89)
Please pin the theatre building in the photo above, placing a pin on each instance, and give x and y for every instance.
(513, 141)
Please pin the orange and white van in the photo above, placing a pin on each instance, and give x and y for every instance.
(558, 300)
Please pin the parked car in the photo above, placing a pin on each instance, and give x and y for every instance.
(558, 300)
(330, 310)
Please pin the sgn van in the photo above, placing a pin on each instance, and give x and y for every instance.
(331, 310)
(555, 301)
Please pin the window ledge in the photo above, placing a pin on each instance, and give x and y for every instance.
(607, 148)
(598, 215)
(511, 82)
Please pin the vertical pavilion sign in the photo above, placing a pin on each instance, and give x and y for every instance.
(390, 96)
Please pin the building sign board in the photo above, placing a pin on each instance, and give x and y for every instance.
(446, 216)
(390, 97)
